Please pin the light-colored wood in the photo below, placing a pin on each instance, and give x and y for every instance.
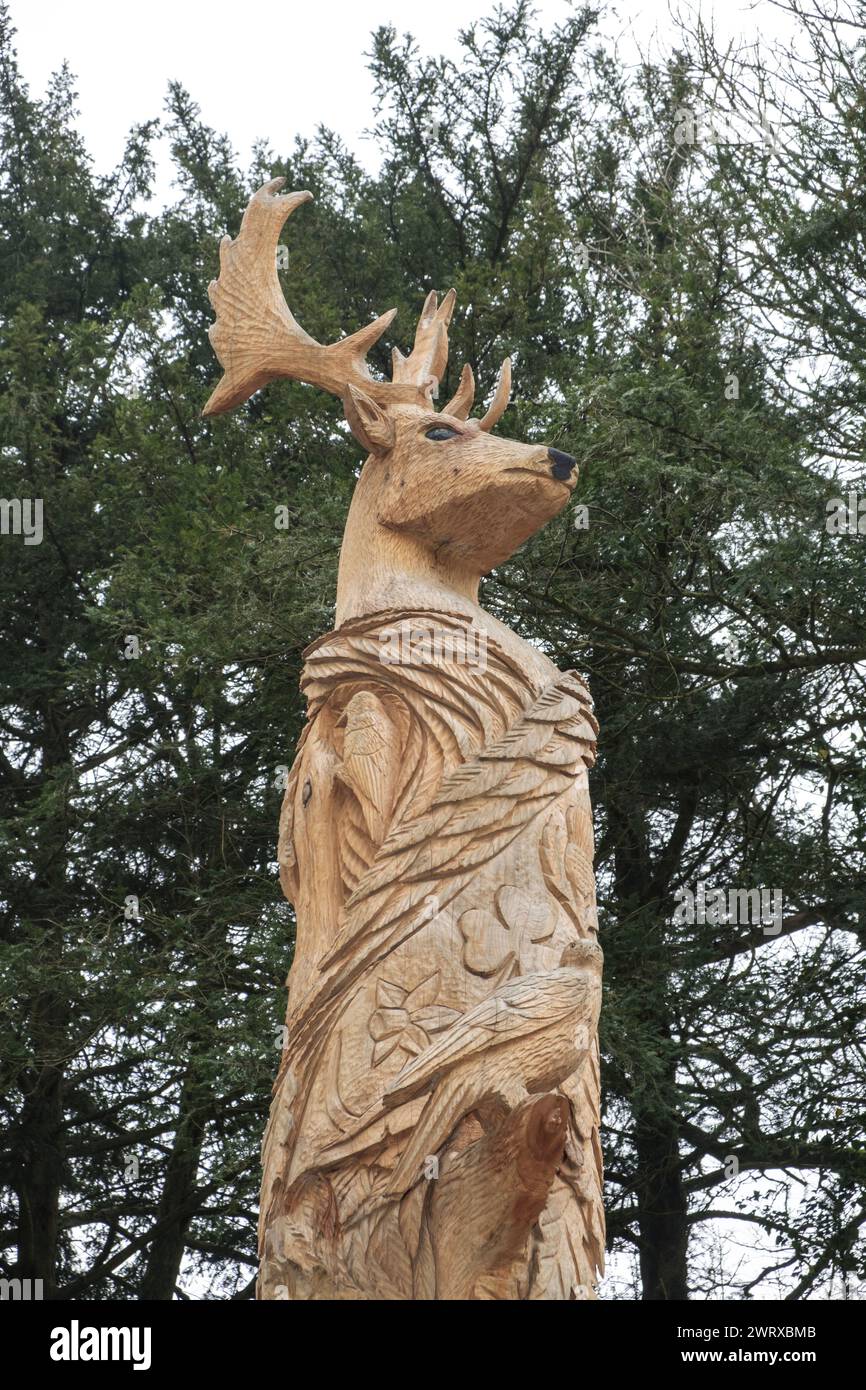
(434, 1127)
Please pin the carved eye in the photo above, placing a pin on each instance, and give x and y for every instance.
(441, 432)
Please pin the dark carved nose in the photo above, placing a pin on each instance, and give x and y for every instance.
(563, 464)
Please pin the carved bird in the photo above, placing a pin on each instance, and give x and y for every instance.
(526, 1037)
(369, 771)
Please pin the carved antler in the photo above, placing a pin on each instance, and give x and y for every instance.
(500, 400)
(462, 400)
(428, 359)
(257, 339)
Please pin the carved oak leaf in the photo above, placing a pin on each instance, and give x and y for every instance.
(493, 941)
(406, 1018)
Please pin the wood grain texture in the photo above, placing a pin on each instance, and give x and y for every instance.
(434, 1126)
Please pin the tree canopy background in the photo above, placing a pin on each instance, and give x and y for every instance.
(688, 318)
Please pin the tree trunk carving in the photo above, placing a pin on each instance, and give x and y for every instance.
(434, 1127)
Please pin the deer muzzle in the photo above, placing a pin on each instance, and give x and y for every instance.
(561, 465)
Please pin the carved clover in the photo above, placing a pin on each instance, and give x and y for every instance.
(406, 1018)
(493, 943)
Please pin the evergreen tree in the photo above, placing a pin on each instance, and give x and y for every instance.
(686, 319)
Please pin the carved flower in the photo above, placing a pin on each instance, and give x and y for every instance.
(494, 943)
(406, 1018)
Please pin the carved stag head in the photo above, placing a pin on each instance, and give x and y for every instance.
(438, 476)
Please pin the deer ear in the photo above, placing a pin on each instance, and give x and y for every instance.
(368, 422)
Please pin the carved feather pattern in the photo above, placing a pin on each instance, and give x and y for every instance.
(437, 772)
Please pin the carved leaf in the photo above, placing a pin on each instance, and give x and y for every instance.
(487, 943)
(532, 916)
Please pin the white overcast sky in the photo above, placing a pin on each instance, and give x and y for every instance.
(271, 68)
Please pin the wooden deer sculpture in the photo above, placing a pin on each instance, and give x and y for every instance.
(434, 1126)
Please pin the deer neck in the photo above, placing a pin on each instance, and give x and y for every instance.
(383, 568)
